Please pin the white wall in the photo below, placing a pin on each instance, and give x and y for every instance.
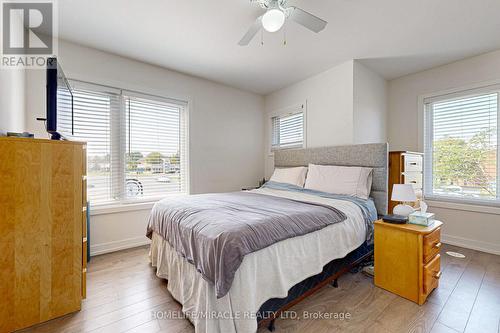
(345, 104)
(464, 225)
(12, 89)
(230, 133)
(226, 129)
(12, 94)
(404, 92)
(370, 105)
(329, 97)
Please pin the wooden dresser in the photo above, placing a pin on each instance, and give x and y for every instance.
(407, 259)
(42, 230)
(405, 168)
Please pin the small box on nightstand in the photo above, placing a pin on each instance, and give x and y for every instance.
(419, 218)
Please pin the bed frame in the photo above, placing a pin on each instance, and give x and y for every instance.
(374, 155)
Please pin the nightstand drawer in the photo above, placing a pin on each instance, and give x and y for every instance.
(431, 245)
(432, 273)
(413, 163)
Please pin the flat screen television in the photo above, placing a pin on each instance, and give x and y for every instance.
(59, 121)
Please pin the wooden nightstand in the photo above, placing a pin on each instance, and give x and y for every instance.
(407, 260)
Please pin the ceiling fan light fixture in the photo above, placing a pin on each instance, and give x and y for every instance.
(278, 12)
(273, 20)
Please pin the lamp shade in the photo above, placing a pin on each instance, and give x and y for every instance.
(403, 192)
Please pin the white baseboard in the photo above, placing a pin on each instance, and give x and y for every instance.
(471, 244)
(118, 245)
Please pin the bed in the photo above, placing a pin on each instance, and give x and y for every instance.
(250, 287)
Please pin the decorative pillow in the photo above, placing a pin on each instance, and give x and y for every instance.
(295, 176)
(354, 181)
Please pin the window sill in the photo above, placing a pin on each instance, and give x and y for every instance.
(463, 206)
(129, 206)
(120, 208)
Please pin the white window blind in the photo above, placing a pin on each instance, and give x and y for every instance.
(92, 124)
(136, 144)
(153, 147)
(287, 130)
(461, 147)
(64, 105)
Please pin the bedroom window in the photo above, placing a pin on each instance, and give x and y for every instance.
(462, 147)
(136, 144)
(287, 130)
(154, 130)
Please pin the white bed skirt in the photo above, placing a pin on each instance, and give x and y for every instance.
(262, 275)
(265, 274)
(196, 295)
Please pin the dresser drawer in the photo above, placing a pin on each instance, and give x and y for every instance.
(432, 273)
(413, 163)
(413, 178)
(431, 245)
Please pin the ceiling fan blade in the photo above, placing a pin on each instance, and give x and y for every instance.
(308, 20)
(252, 31)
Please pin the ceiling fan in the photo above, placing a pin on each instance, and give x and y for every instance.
(277, 12)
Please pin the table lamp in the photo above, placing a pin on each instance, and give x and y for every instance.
(403, 193)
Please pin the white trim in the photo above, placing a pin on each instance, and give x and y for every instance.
(289, 110)
(422, 100)
(422, 97)
(160, 99)
(130, 205)
(420, 123)
(119, 208)
(498, 145)
(471, 244)
(93, 87)
(304, 135)
(462, 93)
(118, 144)
(185, 148)
(427, 182)
(465, 88)
(122, 85)
(118, 245)
(463, 206)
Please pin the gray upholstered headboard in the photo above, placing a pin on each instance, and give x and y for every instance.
(372, 155)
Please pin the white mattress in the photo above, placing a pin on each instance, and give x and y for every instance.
(264, 274)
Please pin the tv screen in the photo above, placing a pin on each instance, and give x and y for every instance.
(59, 102)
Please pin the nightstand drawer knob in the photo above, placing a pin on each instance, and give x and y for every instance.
(437, 245)
(438, 275)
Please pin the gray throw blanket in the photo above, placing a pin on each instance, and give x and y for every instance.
(215, 231)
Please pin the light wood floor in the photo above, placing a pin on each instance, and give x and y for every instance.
(123, 291)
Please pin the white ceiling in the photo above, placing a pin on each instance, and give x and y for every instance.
(199, 37)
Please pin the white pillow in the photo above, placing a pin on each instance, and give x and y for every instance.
(295, 176)
(353, 181)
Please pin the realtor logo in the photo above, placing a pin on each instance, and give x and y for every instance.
(27, 28)
(27, 33)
